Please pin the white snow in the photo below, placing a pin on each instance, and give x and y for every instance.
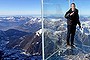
(55, 20)
(38, 33)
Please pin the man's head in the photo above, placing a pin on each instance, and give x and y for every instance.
(73, 5)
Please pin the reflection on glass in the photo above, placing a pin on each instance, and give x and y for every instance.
(55, 28)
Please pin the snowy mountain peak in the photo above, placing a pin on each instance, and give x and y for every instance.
(39, 32)
(33, 20)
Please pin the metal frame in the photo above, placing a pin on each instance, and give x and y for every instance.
(42, 30)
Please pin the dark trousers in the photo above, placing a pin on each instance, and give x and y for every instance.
(71, 29)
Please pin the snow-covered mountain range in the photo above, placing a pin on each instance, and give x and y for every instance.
(20, 37)
(55, 39)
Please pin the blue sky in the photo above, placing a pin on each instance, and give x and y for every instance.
(33, 7)
(82, 5)
(20, 7)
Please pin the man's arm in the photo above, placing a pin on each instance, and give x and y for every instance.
(78, 22)
(67, 15)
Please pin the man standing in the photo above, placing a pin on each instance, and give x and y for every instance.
(72, 17)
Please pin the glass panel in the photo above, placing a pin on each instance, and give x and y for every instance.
(55, 27)
(55, 32)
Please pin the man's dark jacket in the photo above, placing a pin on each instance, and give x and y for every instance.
(73, 19)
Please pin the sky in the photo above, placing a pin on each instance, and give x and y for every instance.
(20, 7)
(83, 6)
(63, 5)
(33, 7)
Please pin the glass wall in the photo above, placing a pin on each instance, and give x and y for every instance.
(55, 27)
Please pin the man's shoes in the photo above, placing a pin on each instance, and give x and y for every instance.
(68, 46)
(73, 46)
